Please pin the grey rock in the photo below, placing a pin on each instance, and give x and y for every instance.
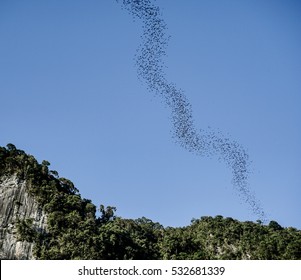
(17, 204)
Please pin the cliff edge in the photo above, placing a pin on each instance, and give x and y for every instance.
(43, 216)
(16, 204)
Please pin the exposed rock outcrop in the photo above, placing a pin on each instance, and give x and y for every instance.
(17, 204)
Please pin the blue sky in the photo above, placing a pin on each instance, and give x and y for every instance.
(70, 94)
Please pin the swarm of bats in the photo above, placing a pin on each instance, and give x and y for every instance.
(203, 142)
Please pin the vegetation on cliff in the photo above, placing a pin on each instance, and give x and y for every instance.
(74, 231)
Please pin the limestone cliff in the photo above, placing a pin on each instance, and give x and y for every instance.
(71, 230)
(17, 204)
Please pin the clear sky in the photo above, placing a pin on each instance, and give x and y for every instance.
(70, 94)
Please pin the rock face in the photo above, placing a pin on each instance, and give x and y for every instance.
(17, 204)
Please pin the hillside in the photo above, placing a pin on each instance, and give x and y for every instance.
(43, 216)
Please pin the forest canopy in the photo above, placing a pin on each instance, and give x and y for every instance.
(77, 229)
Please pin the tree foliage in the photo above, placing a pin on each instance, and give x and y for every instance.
(76, 231)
